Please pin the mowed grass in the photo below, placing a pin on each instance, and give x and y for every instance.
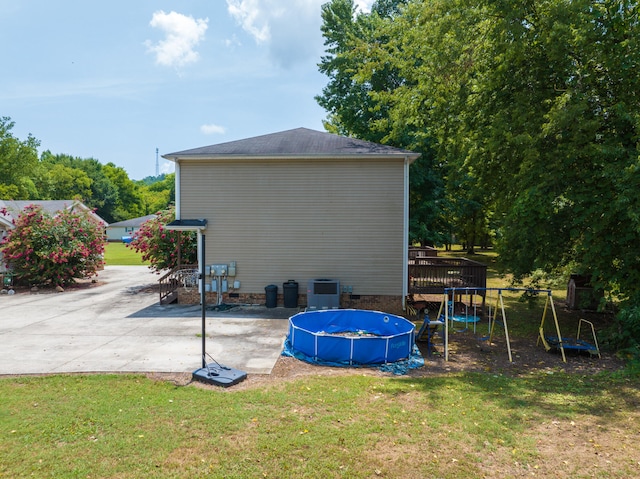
(357, 426)
(117, 254)
(548, 423)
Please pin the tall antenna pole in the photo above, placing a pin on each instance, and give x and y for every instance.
(157, 164)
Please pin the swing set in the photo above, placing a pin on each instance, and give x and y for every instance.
(469, 313)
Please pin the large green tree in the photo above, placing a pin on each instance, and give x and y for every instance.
(553, 126)
(107, 188)
(157, 192)
(58, 182)
(129, 203)
(356, 102)
(555, 114)
(534, 113)
(18, 162)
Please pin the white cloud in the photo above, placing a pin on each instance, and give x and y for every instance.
(253, 18)
(233, 41)
(182, 35)
(364, 5)
(212, 129)
(167, 167)
(291, 34)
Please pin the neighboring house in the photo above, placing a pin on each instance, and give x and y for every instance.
(301, 205)
(5, 225)
(127, 228)
(12, 210)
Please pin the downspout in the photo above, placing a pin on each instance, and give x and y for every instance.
(201, 260)
(177, 185)
(405, 247)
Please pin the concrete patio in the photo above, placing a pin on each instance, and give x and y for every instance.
(119, 326)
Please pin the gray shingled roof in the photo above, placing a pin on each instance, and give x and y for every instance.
(299, 142)
(14, 208)
(133, 222)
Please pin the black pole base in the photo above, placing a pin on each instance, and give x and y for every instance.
(219, 375)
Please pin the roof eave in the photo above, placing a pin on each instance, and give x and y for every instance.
(6, 222)
(187, 225)
(411, 156)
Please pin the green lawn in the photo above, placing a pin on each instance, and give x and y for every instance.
(546, 423)
(462, 426)
(119, 254)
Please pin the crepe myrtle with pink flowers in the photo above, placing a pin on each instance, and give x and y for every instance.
(44, 248)
(163, 248)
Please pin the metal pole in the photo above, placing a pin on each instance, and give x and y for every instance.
(203, 301)
(446, 326)
(506, 328)
(555, 319)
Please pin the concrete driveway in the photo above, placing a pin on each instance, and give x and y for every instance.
(117, 327)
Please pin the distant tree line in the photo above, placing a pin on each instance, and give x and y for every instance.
(105, 187)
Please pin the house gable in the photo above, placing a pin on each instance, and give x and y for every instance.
(301, 205)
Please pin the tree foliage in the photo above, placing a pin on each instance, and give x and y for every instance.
(356, 99)
(18, 162)
(59, 181)
(129, 200)
(551, 128)
(105, 188)
(103, 195)
(162, 248)
(157, 192)
(48, 249)
(532, 109)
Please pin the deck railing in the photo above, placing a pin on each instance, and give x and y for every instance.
(431, 275)
(421, 252)
(185, 275)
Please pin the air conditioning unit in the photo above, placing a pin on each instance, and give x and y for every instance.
(323, 294)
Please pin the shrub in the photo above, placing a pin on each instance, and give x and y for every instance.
(624, 335)
(43, 248)
(162, 248)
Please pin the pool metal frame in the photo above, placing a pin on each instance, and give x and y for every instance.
(356, 343)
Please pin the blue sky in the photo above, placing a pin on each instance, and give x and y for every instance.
(116, 80)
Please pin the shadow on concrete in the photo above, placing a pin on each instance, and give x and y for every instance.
(195, 311)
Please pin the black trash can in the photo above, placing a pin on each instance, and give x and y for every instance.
(290, 293)
(271, 293)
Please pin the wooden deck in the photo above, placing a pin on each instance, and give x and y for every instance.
(431, 275)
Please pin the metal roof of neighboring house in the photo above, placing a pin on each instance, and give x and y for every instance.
(15, 207)
(297, 143)
(133, 222)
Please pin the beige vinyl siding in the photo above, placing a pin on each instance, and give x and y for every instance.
(301, 219)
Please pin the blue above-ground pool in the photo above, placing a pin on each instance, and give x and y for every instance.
(351, 336)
